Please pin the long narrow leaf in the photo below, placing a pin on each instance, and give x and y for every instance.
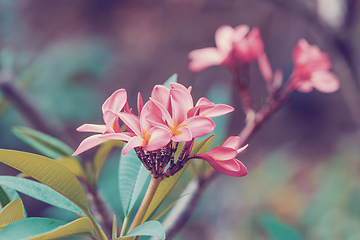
(132, 179)
(4, 198)
(163, 190)
(12, 212)
(25, 228)
(78, 227)
(150, 228)
(171, 79)
(49, 172)
(158, 216)
(40, 192)
(45, 144)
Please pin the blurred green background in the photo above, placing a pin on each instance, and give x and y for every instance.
(66, 57)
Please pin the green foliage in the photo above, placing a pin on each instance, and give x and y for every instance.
(46, 228)
(40, 192)
(45, 144)
(278, 230)
(150, 228)
(12, 212)
(4, 198)
(171, 79)
(49, 172)
(133, 177)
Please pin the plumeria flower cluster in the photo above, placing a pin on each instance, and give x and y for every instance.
(234, 46)
(238, 46)
(166, 119)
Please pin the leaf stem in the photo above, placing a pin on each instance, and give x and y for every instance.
(125, 225)
(153, 186)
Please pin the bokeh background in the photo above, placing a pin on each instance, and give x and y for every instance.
(66, 57)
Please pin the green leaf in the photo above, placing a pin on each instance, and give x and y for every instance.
(25, 228)
(12, 212)
(102, 154)
(133, 176)
(158, 216)
(73, 165)
(163, 190)
(40, 192)
(49, 172)
(45, 144)
(197, 147)
(278, 230)
(4, 198)
(171, 79)
(150, 228)
(114, 227)
(79, 227)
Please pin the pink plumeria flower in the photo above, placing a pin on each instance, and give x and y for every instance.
(234, 46)
(223, 158)
(115, 103)
(142, 133)
(312, 69)
(179, 115)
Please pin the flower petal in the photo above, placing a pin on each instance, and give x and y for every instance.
(222, 153)
(223, 38)
(124, 136)
(161, 94)
(232, 142)
(199, 125)
(131, 121)
(88, 143)
(204, 58)
(158, 139)
(216, 111)
(182, 134)
(325, 81)
(116, 101)
(91, 128)
(182, 95)
(133, 142)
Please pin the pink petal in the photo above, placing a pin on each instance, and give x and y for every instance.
(158, 139)
(124, 136)
(223, 38)
(116, 101)
(265, 68)
(88, 143)
(178, 112)
(133, 142)
(204, 58)
(240, 32)
(242, 149)
(161, 94)
(110, 118)
(199, 126)
(182, 134)
(216, 111)
(222, 153)
(182, 95)
(203, 101)
(164, 112)
(232, 142)
(91, 128)
(140, 103)
(325, 81)
(131, 121)
(232, 167)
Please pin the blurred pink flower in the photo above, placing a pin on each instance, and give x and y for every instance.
(115, 103)
(234, 46)
(311, 69)
(223, 158)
